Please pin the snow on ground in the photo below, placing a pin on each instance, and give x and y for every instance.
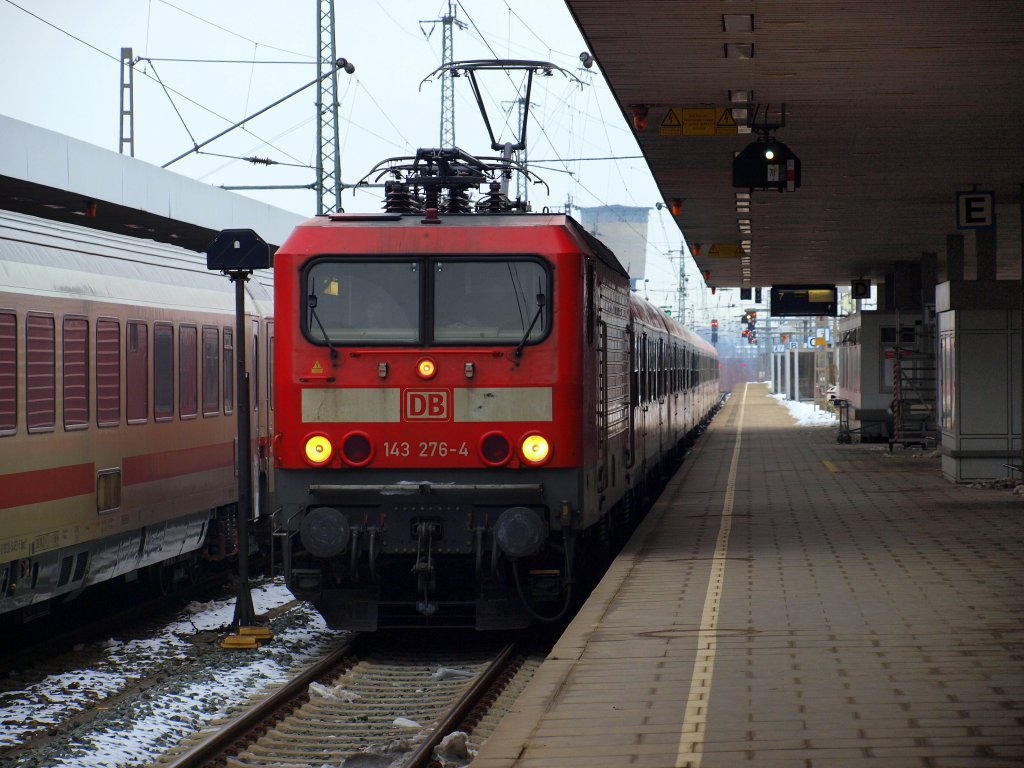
(138, 732)
(807, 414)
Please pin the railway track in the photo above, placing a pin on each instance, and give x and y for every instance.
(170, 695)
(124, 700)
(382, 705)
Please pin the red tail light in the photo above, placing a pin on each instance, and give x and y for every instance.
(495, 449)
(357, 449)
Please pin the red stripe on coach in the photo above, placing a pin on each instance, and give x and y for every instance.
(41, 485)
(166, 464)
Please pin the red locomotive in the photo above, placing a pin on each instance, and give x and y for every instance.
(469, 403)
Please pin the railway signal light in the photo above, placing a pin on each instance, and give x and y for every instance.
(714, 331)
(750, 319)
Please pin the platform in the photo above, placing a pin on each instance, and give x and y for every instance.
(791, 601)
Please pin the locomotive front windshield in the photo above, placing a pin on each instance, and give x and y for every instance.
(358, 302)
(441, 301)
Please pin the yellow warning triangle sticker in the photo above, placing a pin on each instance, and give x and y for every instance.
(317, 368)
(726, 119)
(672, 119)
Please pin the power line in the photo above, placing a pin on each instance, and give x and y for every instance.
(305, 63)
(228, 31)
(167, 89)
(582, 159)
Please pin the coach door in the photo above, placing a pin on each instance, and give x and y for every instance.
(255, 364)
(266, 471)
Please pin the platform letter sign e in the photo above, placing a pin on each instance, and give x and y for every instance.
(426, 405)
(975, 210)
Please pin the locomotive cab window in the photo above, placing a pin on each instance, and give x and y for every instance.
(357, 302)
(490, 301)
(423, 301)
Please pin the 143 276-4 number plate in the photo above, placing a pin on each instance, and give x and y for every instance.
(424, 449)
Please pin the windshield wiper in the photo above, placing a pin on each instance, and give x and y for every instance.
(311, 303)
(541, 302)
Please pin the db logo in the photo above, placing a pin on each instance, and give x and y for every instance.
(426, 405)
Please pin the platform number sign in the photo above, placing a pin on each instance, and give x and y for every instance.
(975, 210)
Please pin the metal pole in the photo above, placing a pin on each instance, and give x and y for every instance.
(245, 614)
(1020, 384)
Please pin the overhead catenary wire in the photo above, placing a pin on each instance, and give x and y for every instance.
(564, 121)
(115, 59)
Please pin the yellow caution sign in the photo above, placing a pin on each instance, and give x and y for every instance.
(672, 125)
(699, 122)
(726, 251)
(725, 124)
(317, 368)
(709, 121)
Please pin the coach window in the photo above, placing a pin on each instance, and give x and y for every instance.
(8, 373)
(254, 365)
(662, 369)
(499, 301)
(40, 373)
(108, 373)
(136, 372)
(211, 371)
(270, 366)
(187, 395)
(591, 288)
(229, 371)
(651, 358)
(75, 372)
(356, 302)
(163, 371)
(634, 368)
(644, 366)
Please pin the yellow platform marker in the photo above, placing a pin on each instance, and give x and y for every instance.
(247, 638)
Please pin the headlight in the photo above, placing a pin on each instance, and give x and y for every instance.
(426, 368)
(535, 449)
(319, 450)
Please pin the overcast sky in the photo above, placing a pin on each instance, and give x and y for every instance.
(198, 75)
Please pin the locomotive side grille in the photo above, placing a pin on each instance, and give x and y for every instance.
(613, 312)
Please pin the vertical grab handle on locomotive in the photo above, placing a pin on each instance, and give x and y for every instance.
(602, 407)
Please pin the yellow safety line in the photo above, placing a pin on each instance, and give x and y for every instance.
(691, 739)
(830, 466)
